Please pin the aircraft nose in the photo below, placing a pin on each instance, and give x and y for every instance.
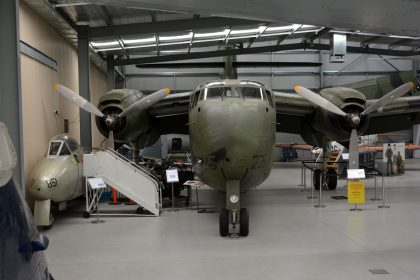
(40, 189)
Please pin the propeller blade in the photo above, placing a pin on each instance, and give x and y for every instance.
(319, 100)
(145, 102)
(76, 99)
(354, 150)
(389, 97)
(111, 143)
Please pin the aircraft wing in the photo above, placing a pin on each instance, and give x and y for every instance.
(171, 113)
(401, 114)
(292, 112)
(294, 146)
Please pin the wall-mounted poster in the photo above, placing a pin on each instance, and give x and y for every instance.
(394, 158)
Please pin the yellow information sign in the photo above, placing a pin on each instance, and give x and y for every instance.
(356, 192)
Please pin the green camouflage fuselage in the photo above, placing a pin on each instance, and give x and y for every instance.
(232, 139)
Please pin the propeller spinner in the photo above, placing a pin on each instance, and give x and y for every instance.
(111, 120)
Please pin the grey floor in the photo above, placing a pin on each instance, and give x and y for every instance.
(289, 238)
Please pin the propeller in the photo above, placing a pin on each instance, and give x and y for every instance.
(353, 118)
(111, 120)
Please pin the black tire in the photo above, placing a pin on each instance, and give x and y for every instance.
(244, 222)
(224, 222)
(331, 179)
(86, 215)
(316, 178)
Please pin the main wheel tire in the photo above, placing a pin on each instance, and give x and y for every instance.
(331, 179)
(244, 222)
(317, 178)
(86, 215)
(224, 222)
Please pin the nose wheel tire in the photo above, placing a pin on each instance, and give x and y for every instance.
(224, 222)
(244, 222)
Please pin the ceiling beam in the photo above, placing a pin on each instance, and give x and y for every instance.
(311, 37)
(274, 48)
(235, 64)
(371, 40)
(166, 26)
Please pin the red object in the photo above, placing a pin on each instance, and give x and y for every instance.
(114, 198)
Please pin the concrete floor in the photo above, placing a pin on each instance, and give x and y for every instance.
(289, 238)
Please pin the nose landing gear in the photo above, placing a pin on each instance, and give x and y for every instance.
(230, 215)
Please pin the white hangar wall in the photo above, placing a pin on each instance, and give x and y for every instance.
(39, 99)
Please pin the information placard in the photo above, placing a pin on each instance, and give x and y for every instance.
(96, 183)
(172, 175)
(356, 192)
(356, 174)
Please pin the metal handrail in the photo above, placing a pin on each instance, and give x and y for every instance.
(133, 165)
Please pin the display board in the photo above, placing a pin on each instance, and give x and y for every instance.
(96, 183)
(172, 175)
(394, 158)
(356, 192)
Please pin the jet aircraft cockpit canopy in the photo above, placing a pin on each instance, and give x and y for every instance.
(62, 145)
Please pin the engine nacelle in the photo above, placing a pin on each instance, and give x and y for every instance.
(128, 129)
(323, 124)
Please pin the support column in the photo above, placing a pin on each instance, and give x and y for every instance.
(10, 87)
(229, 71)
(321, 70)
(110, 72)
(416, 128)
(84, 84)
(416, 139)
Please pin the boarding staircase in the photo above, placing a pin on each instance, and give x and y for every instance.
(332, 159)
(128, 178)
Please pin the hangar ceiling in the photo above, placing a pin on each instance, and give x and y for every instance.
(156, 31)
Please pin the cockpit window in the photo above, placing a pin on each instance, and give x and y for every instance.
(72, 145)
(252, 92)
(54, 148)
(229, 92)
(64, 150)
(220, 92)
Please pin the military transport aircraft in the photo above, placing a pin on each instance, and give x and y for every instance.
(232, 126)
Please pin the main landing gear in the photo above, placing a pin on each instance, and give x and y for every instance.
(329, 180)
(232, 214)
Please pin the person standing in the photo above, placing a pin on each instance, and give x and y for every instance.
(388, 155)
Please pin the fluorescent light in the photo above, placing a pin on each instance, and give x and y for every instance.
(369, 34)
(174, 43)
(403, 37)
(105, 44)
(108, 49)
(211, 34)
(274, 34)
(342, 32)
(208, 40)
(242, 37)
(279, 28)
(307, 26)
(174, 38)
(246, 31)
(140, 46)
(139, 41)
(307, 31)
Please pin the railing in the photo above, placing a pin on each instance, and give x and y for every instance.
(133, 165)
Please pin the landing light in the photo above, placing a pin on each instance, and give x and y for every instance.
(234, 198)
